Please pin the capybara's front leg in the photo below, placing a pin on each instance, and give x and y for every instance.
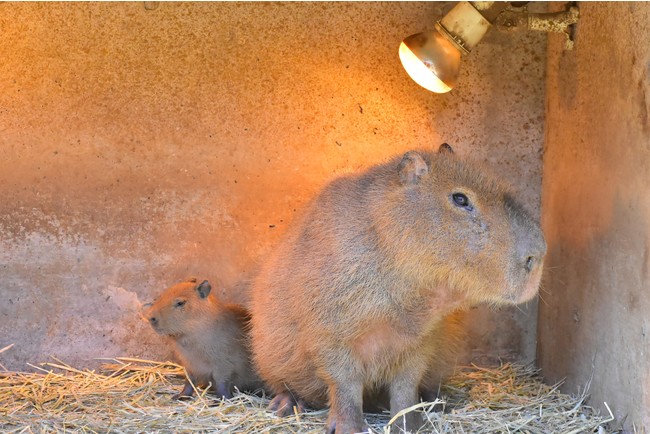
(404, 394)
(187, 392)
(346, 408)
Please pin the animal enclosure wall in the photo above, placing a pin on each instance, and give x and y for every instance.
(594, 321)
(143, 143)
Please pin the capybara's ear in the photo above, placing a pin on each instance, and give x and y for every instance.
(203, 289)
(142, 311)
(412, 168)
(445, 148)
(191, 279)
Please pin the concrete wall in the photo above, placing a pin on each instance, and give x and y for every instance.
(595, 315)
(138, 147)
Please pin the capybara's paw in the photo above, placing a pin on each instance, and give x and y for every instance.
(223, 390)
(283, 404)
(410, 422)
(186, 393)
(333, 428)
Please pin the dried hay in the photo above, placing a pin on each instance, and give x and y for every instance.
(132, 395)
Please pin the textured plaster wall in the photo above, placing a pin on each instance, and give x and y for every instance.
(141, 146)
(595, 318)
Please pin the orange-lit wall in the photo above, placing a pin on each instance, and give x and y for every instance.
(138, 147)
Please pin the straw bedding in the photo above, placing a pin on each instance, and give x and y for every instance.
(132, 395)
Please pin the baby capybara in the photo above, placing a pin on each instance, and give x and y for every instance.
(210, 337)
(353, 296)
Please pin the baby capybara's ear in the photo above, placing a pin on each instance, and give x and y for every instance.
(204, 289)
(143, 311)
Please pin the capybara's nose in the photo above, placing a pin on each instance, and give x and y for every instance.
(530, 263)
(535, 255)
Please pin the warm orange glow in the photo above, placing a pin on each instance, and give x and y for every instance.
(419, 72)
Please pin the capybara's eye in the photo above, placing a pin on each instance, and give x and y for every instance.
(461, 200)
(179, 303)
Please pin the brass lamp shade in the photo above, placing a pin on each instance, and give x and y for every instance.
(431, 60)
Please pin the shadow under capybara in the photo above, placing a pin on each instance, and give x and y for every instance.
(210, 337)
(353, 297)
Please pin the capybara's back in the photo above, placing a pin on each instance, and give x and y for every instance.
(210, 337)
(357, 289)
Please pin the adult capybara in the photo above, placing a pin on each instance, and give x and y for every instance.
(210, 337)
(353, 297)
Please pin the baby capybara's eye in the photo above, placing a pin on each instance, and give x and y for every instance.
(179, 303)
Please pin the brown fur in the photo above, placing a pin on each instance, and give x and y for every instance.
(355, 296)
(447, 339)
(209, 337)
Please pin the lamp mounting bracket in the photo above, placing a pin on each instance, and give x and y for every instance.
(555, 22)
